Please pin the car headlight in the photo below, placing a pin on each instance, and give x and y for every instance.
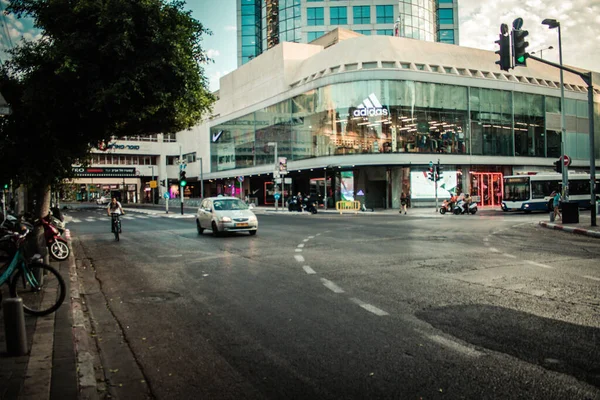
(252, 219)
(225, 219)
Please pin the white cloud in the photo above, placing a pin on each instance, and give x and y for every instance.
(580, 27)
(212, 53)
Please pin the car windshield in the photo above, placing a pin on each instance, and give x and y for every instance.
(229, 204)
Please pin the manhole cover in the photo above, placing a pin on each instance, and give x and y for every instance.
(152, 297)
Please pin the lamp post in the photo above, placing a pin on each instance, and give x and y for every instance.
(552, 23)
(275, 170)
(542, 51)
(201, 180)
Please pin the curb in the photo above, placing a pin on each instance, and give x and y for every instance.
(86, 376)
(579, 231)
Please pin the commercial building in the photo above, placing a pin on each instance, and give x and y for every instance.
(361, 117)
(367, 114)
(262, 24)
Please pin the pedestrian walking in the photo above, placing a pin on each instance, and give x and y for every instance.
(403, 203)
(556, 204)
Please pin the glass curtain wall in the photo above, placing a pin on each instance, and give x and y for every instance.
(417, 19)
(491, 122)
(379, 116)
(251, 29)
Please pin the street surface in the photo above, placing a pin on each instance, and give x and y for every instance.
(353, 307)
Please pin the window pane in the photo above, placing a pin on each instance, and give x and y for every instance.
(385, 14)
(362, 14)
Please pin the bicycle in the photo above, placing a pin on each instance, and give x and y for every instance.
(116, 225)
(32, 280)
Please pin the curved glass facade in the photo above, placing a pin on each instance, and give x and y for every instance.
(392, 116)
(418, 19)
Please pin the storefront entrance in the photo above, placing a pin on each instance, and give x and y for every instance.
(488, 187)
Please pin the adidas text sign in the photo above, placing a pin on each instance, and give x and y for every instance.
(370, 107)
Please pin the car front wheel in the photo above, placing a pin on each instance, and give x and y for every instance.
(199, 228)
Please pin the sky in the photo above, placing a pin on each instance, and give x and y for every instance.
(479, 26)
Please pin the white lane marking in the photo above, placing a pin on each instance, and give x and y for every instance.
(461, 348)
(299, 258)
(538, 264)
(509, 255)
(318, 234)
(298, 250)
(171, 256)
(306, 240)
(370, 308)
(311, 237)
(75, 220)
(127, 217)
(142, 216)
(301, 245)
(90, 219)
(485, 239)
(494, 250)
(486, 244)
(591, 277)
(308, 270)
(332, 286)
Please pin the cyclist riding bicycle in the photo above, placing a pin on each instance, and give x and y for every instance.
(114, 209)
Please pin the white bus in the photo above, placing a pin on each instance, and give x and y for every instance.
(533, 192)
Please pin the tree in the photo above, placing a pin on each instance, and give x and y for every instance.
(103, 68)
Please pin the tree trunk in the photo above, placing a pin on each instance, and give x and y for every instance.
(42, 207)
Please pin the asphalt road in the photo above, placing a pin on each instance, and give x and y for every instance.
(330, 307)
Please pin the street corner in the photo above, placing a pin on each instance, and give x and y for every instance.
(571, 229)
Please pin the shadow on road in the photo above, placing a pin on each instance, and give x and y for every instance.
(555, 345)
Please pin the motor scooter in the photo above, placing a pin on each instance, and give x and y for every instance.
(294, 204)
(57, 245)
(460, 208)
(446, 207)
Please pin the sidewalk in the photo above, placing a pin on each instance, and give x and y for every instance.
(49, 371)
(582, 228)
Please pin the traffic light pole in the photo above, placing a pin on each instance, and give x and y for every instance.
(587, 78)
(436, 188)
(181, 188)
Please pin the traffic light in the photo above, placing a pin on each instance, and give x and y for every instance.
(162, 182)
(504, 52)
(182, 179)
(431, 174)
(440, 172)
(520, 47)
(558, 166)
(6, 186)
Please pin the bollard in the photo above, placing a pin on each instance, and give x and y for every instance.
(551, 216)
(14, 327)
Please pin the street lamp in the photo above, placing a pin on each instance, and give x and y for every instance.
(275, 170)
(542, 51)
(201, 180)
(552, 23)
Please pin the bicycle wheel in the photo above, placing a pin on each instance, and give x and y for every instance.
(38, 298)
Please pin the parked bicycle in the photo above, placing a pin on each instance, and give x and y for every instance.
(30, 279)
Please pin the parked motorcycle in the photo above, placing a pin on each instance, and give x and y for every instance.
(295, 204)
(309, 205)
(460, 208)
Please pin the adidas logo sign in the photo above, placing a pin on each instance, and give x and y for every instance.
(370, 107)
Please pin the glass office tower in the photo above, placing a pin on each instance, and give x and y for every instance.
(263, 24)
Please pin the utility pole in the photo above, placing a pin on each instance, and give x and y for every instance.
(201, 181)
(437, 170)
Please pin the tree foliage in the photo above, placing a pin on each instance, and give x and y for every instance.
(103, 68)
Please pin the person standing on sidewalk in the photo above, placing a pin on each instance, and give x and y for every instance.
(556, 203)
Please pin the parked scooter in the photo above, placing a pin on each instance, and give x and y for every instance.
(460, 208)
(447, 206)
(57, 245)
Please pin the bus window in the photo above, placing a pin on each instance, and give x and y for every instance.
(541, 189)
(516, 189)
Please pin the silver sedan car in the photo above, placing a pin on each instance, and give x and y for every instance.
(225, 214)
